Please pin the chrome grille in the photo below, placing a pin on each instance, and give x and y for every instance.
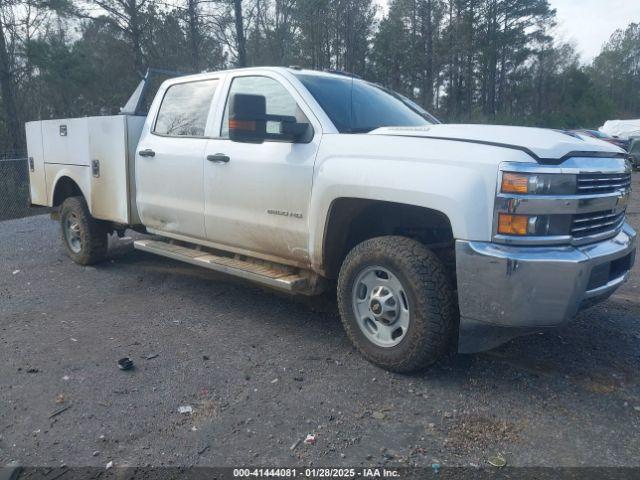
(596, 223)
(589, 183)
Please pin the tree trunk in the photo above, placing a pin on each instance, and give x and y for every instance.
(452, 100)
(492, 63)
(428, 35)
(135, 32)
(194, 34)
(8, 97)
(500, 106)
(240, 38)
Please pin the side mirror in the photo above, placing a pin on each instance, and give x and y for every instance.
(247, 118)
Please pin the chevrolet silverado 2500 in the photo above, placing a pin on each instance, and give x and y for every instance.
(436, 236)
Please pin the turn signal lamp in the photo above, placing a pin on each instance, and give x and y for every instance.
(513, 224)
(515, 183)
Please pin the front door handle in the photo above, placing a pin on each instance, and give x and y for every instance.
(218, 158)
(147, 152)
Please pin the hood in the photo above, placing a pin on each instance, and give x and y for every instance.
(540, 143)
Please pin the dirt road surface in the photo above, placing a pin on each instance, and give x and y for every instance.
(261, 371)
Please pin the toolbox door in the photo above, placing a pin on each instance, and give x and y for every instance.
(35, 164)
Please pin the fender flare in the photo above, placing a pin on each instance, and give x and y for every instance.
(65, 171)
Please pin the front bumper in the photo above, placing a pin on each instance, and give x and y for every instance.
(507, 291)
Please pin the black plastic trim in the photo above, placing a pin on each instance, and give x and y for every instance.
(554, 161)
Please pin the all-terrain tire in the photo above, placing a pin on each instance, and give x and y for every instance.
(91, 234)
(433, 312)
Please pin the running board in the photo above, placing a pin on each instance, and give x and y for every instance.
(269, 274)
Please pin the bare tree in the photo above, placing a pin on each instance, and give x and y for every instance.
(20, 20)
(126, 15)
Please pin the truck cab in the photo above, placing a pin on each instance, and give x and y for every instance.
(436, 237)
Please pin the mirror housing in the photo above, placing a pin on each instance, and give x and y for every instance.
(247, 118)
(294, 131)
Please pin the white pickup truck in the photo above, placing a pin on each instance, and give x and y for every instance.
(436, 236)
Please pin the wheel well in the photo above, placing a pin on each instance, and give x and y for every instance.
(65, 188)
(353, 220)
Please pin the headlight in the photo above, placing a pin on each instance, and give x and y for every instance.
(538, 183)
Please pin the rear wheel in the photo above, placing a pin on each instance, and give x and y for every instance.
(396, 303)
(85, 237)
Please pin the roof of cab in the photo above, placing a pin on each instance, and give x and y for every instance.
(285, 70)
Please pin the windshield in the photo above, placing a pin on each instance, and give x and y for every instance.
(357, 106)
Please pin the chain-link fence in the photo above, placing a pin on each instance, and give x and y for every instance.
(14, 187)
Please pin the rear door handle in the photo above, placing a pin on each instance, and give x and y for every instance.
(218, 158)
(147, 153)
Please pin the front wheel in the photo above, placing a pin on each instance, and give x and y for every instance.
(85, 237)
(396, 303)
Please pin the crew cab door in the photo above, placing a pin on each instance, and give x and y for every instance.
(170, 160)
(257, 195)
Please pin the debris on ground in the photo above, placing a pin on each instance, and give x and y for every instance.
(497, 461)
(204, 449)
(32, 370)
(109, 465)
(15, 272)
(125, 363)
(59, 411)
(205, 357)
(295, 445)
(60, 398)
(184, 409)
(96, 453)
(310, 439)
(275, 380)
(469, 432)
(379, 415)
(151, 356)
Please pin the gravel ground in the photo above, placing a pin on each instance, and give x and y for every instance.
(261, 371)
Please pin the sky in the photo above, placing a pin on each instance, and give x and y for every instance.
(587, 24)
(590, 23)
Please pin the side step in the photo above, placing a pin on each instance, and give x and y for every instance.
(280, 277)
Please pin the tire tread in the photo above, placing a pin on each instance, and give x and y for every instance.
(432, 317)
(95, 239)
